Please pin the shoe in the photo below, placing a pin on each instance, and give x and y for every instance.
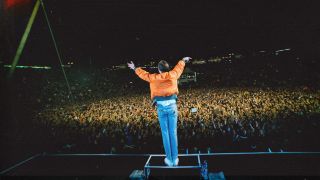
(168, 162)
(176, 162)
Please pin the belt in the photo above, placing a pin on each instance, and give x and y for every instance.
(166, 102)
(157, 99)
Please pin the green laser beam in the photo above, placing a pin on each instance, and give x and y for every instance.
(24, 38)
(55, 45)
(26, 67)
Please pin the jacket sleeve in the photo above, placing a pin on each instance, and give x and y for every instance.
(178, 69)
(143, 74)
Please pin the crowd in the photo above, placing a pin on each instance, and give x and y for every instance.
(232, 107)
(208, 118)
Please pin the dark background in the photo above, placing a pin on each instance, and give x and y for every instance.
(106, 32)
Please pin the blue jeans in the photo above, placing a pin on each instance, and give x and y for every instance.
(168, 118)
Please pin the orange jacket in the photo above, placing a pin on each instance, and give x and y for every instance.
(163, 84)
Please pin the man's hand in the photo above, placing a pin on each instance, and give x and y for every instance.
(131, 65)
(186, 59)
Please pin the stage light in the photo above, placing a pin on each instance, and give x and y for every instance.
(12, 3)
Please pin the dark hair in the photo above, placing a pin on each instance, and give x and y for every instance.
(163, 66)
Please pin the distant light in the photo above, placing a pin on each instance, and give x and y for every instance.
(63, 65)
(288, 49)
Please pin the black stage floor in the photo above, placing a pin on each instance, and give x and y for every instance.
(121, 165)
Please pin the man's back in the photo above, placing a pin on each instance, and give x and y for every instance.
(163, 84)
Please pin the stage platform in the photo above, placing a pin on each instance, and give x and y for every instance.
(122, 165)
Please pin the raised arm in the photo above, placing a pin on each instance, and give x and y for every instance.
(178, 69)
(140, 72)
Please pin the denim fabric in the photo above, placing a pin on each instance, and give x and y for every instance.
(168, 118)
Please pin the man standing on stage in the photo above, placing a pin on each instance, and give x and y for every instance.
(164, 91)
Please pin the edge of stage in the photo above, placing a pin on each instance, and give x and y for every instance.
(231, 164)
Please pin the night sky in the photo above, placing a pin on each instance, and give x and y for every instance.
(109, 32)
